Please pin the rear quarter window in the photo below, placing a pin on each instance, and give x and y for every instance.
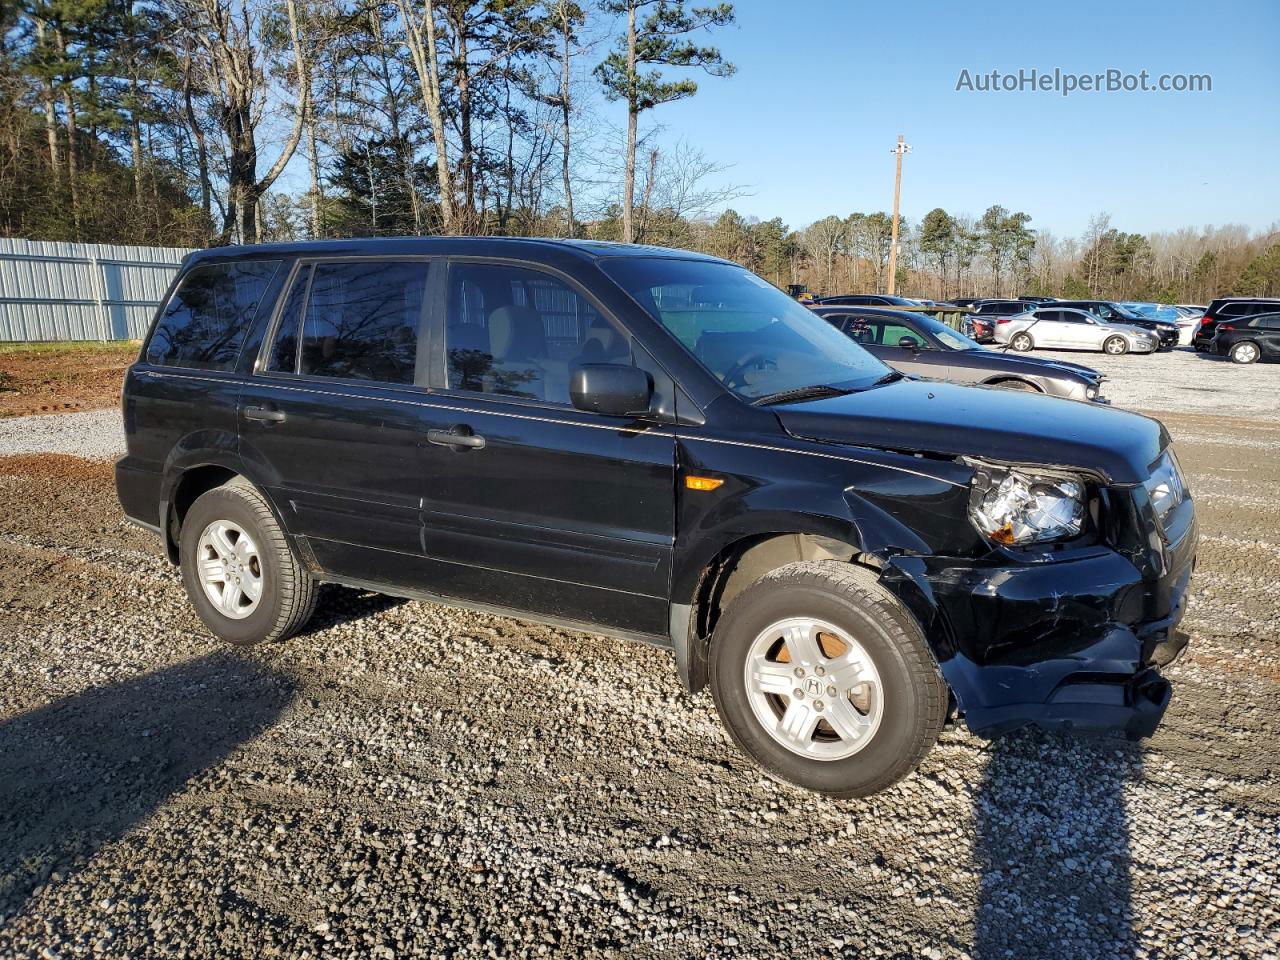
(205, 321)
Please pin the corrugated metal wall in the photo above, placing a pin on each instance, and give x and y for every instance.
(81, 291)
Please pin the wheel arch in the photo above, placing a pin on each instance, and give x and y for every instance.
(1000, 379)
(191, 473)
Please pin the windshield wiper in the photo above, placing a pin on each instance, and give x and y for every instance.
(796, 394)
(889, 377)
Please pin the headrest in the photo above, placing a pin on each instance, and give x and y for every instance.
(516, 332)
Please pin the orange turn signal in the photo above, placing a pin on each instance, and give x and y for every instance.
(703, 483)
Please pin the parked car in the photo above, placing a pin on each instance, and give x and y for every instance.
(1030, 299)
(870, 300)
(924, 347)
(1067, 327)
(661, 446)
(1229, 308)
(965, 301)
(1113, 312)
(1250, 339)
(1001, 308)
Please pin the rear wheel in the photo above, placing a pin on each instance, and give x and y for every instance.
(1115, 346)
(1244, 352)
(1021, 342)
(241, 575)
(825, 680)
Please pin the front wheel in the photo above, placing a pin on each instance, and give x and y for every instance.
(238, 568)
(1021, 342)
(1115, 346)
(1244, 353)
(825, 680)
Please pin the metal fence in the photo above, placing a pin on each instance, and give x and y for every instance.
(81, 291)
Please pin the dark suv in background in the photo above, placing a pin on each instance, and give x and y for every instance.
(661, 446)
(1249, 339)
(1229, 308)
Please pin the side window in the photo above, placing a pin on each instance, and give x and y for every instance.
(208, 316)
(284, 348)
(863, 330)
(891, 333)
(520, 332)
(1232, 310)
(361, 320)
(1269, 322)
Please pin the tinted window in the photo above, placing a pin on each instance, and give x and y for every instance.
(1234, 309)
(520, 332)
(206, 320)
(1269, 322)
(284, 348)
(361, 320)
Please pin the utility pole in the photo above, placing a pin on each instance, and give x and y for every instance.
(898, 151)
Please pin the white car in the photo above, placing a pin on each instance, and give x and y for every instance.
(1066, 328)
(1192, 314)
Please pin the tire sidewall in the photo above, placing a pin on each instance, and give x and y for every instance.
(753, 612)
(224, 503)
(1106, 346)
(1022, 342)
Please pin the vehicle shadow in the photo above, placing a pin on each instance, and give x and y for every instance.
(338, 605)
(1052, 848)
(85, 769)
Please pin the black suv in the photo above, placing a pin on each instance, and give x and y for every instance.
(1249, 339)
(1229, 309)
(1112, 312)
(659, 445)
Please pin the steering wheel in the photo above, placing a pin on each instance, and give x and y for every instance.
(733, 374)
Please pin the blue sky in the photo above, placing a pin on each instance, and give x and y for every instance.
(824, 87)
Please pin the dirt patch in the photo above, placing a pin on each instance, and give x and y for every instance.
(62, 378)
(57, 466)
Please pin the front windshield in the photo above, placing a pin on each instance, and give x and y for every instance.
(755, 339)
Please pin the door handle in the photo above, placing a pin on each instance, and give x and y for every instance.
(263, 414)
(452, 438)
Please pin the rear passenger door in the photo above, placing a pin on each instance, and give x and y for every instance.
(331, 417)
(533, 503)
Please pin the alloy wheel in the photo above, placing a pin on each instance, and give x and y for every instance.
(813, 688)
(1244, 353)
(230, 569)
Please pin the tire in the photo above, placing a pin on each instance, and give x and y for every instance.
(1245, 351)
(234, 521)
(1022, 342)
(896, 709)
(1115, 346)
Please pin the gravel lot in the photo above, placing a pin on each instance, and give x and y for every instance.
(408, 780)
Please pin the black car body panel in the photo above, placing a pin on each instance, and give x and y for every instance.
(582, 518)
(933, 357)
(952, 420)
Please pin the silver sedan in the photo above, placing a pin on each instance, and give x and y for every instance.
(1065, 328)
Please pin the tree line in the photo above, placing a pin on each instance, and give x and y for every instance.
(173, 122)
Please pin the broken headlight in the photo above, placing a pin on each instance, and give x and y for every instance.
(1016, 507)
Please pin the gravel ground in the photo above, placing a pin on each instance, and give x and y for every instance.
(409, 780)
(96, 435)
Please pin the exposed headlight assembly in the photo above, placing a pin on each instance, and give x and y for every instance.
(1016, 507)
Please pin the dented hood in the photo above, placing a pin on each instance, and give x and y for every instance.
(987, 422)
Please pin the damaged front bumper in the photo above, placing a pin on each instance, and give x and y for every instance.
(1074, 644)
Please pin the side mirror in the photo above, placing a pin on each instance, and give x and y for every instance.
(616, 389)
(909, 343)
